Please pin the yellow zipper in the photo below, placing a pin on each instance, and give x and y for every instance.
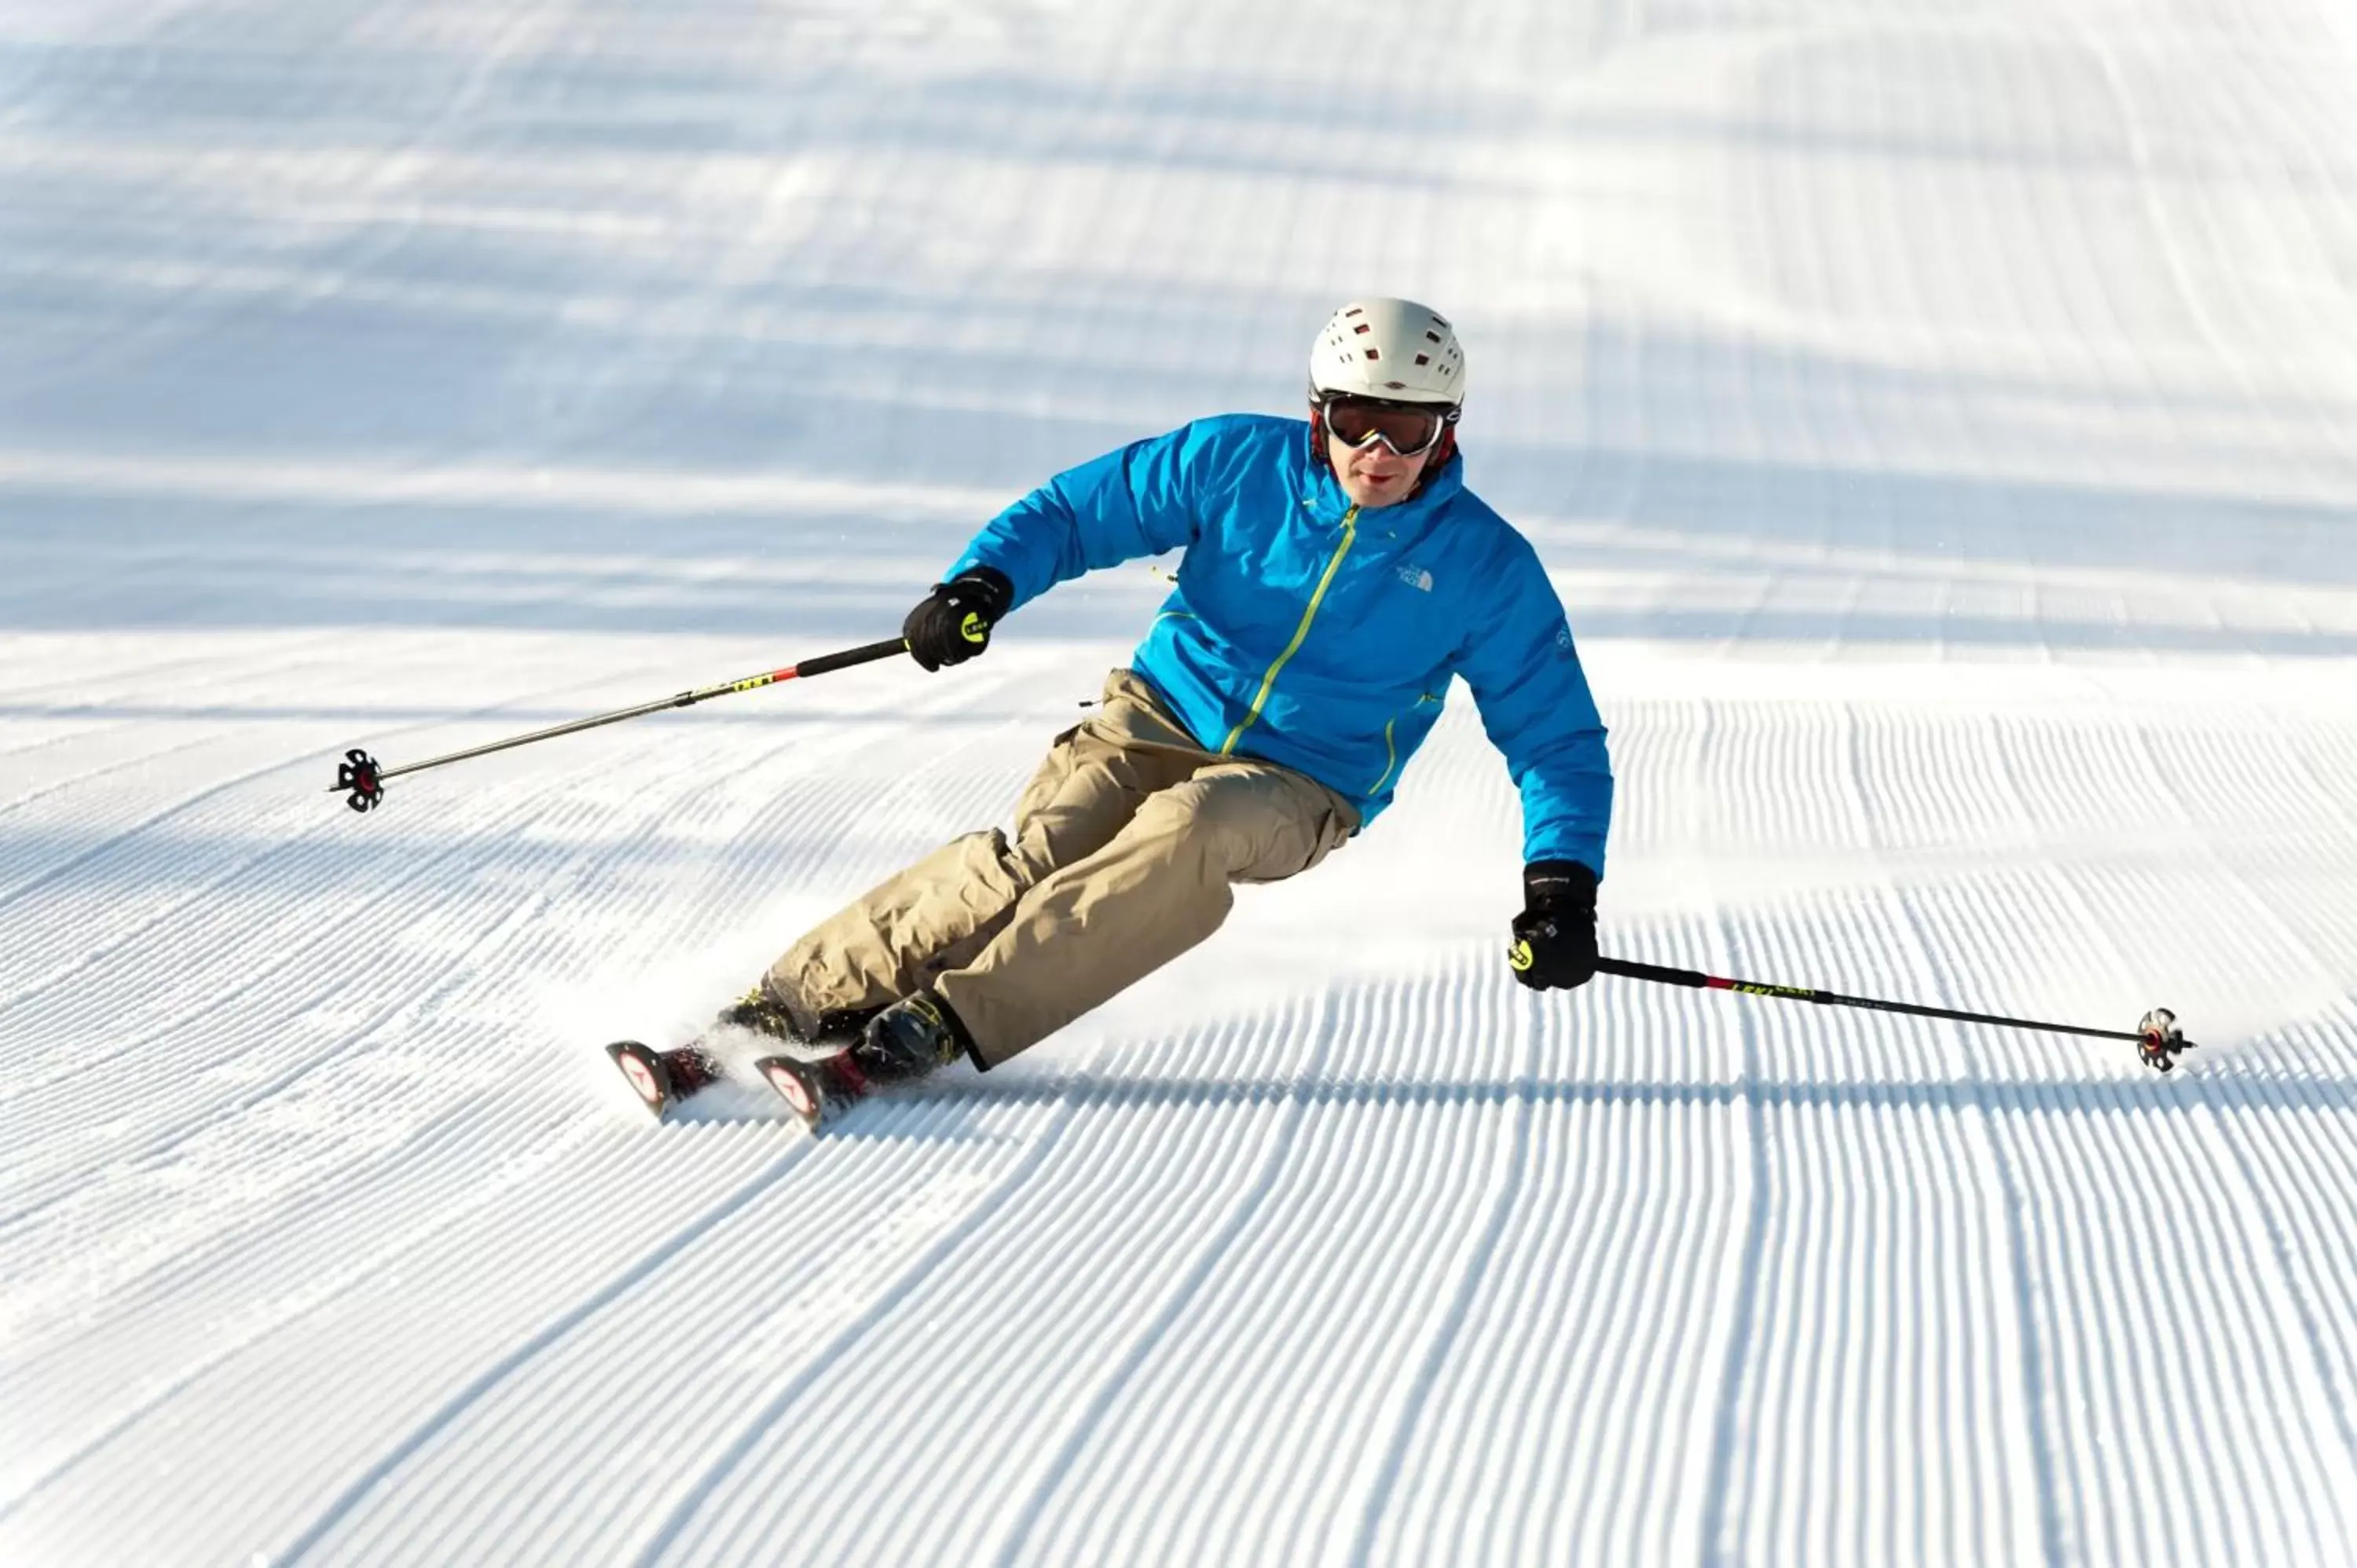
(1268, 682)
(1391, 747)
(1391, 758)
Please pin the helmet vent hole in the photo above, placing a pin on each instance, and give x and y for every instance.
(1370, 348)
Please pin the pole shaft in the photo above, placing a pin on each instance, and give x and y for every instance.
(549, 734)
(821, 665)
(1628, 969)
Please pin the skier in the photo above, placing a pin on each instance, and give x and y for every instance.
(1336, 575)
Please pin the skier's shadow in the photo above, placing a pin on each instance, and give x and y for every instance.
(962, 1106)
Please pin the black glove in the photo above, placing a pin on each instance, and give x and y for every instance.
(1554, 936)
(953, 624)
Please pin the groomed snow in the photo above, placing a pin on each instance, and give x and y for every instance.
(1941, 422)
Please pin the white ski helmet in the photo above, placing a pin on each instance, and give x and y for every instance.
(1390, 348)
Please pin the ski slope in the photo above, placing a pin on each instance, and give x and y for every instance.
(1941, 421)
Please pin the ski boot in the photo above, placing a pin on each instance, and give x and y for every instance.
(902, 1042)
(911, 1039)
(759, 1012)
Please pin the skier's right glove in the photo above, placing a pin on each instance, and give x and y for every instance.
(1554, 936)
(953, 623)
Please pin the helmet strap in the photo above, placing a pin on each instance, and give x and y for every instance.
(1444, 452)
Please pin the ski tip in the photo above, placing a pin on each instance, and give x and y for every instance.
(796, 1083)
(642, 1069)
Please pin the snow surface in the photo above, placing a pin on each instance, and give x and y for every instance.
(1939, 419)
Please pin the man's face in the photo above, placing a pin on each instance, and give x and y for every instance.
(1374, 475)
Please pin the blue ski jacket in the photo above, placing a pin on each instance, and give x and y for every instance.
(1310, 633)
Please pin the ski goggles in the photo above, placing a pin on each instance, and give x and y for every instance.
(1409, 429)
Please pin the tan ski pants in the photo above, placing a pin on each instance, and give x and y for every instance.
(1126, 844)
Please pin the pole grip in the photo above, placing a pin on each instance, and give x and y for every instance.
(1628, 969)
(849, 657)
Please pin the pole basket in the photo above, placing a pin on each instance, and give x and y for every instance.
(358, 774)
(2159, 1039)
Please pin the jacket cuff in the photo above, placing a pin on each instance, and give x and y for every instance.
(1558, 884)
(993, 582)
(976, 563)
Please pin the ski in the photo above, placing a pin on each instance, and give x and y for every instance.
(817, 1090)
(662, 1078)
(642, 1069)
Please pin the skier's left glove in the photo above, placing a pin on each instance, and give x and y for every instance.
(953, 623)
(1554, 936)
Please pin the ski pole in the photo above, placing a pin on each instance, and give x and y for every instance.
(360, 777)
(2157, 1038)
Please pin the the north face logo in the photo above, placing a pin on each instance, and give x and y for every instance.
(1416, 577)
